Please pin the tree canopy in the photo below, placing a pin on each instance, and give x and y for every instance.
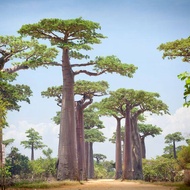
(179, 48)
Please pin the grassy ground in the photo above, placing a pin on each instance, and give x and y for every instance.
(58, 184)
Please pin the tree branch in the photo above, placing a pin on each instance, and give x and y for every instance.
(82, 64)
(89, 73)
(15, 69)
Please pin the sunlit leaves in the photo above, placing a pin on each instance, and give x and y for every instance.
(177, 48)
(186, 77)
(112, 64)
(90, 89)
(177, 136)
(72, 33)
(24, 52)
(149, 130)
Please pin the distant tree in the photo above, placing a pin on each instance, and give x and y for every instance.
(47, 152)
(183, 157)
(172, 139)
(49, 163)
(99, 157)
(10, 96)
(179, 48)
(147, 130)
(110, 107)
(91, 136)
(18, 163)
(188, 141)
(168, 151)
(8, 142)
(34, 141)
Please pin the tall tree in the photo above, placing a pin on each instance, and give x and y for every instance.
(172, 139)
(134, 103)
(99, 157)
(179, 48)
(92, 124)
(20, 54)
(34, 141)
(10, 96)
(71, 36)
(111, 107)
(91, 136)
(87, 90)
(146, 130)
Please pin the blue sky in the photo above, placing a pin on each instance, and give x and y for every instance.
(134, 29)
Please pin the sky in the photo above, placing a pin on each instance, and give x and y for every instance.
(134, 30)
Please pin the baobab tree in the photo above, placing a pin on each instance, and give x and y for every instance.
(146, 130)
(34, 141)
(17, 54)
(179, 48)
(111, 107)
(133, 103)
(88, 90)
(71, 36)
(173, 138)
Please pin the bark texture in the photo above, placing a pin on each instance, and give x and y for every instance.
(136, 151)
(118, 159)
(67, 154)
(127, 158)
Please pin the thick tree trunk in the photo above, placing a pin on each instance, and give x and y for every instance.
(91, 162)
(87, 159)
(32, 152)
(143, 148)
(127, 158)
(80, 140)
(174, 150)
(1, 145)
(67, 167)
(136, 151)
(118, 159)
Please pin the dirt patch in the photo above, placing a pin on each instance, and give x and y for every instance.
(114, 185)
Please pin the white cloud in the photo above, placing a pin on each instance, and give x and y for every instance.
(179, 121)
(48, 131)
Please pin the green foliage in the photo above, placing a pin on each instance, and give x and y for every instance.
(184, 157)
(179, 48)
(29, 54)
(18, 164)
(33, 142)
(112, 64)
(149, 130)
(8, 142)
(159, 169)
(104, 170)
(177, 137)
(186, 77)
(12, 94)
(90, 89)
(94, 135)
(92, 118)
(79, 33)
(34, 139)
(99, 157)
(5, 172)
(43, 168)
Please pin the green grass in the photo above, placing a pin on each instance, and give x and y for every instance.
(43, 185)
